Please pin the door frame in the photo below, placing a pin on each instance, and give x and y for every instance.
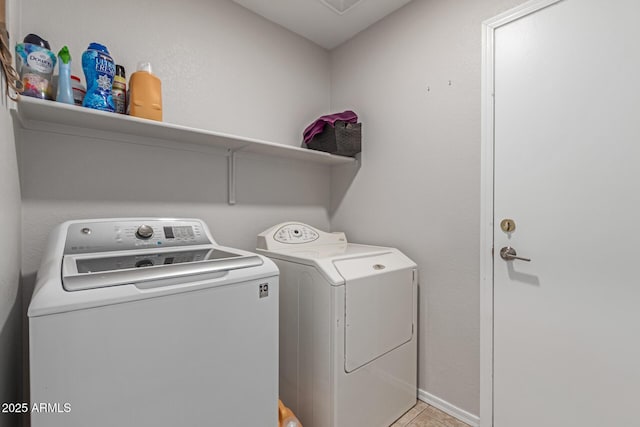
(487, 198)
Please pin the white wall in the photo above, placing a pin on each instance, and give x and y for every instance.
(222, 68)
(419, 184)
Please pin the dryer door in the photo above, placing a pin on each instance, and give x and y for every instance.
(379, 306)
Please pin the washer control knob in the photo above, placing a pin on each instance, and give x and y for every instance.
(144, 232)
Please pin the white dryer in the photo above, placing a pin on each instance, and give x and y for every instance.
(149, 322)
(348, 318)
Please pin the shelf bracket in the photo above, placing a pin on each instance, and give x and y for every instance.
(231, 177)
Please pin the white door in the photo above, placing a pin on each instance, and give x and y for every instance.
(566, 337)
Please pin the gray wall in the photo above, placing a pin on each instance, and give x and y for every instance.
(9, 265)
(419, 185)
(10, 244)
(223, 68)
(97, 178)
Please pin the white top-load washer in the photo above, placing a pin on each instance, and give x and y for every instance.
(149, 322)
(348, 318)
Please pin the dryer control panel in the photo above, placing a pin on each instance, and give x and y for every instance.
(296, 233)
(287, 234)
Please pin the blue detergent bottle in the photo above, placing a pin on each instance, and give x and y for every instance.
(99, 70)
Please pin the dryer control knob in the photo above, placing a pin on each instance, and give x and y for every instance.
(144, 232)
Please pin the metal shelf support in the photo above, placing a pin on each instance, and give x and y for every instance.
(231, 177)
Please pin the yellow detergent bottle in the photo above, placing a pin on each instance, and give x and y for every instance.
(145, 96)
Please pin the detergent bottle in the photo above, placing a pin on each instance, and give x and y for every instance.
(119, 90)
(35, 64)
(99, 70)
(145, 93)
(286, 417)
(65, 92)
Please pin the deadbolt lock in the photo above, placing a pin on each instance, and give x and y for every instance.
(508, 225)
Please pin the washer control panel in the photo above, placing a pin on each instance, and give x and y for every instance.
(296, 233)
(289, 234)
(107, 236)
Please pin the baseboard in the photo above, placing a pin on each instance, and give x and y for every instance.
(450, 409)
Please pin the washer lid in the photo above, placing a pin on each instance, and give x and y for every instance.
(150, 268)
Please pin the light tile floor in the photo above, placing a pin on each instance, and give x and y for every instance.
(424, 415)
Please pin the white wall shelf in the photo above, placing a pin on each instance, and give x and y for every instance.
(42, 115)
(37, 114)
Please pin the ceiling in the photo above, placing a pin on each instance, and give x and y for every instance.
(322, 21)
